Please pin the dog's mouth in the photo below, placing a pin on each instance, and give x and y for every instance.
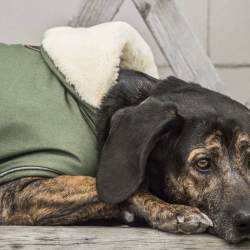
(228, 234)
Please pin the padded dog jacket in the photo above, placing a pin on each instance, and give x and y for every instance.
(49, 99)
(45, 128)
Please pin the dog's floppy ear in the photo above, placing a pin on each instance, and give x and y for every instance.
(133, 134)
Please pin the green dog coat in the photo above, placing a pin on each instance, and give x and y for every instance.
(45, 128)
(49, 99)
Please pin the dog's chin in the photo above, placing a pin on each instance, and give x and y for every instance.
(229, 236)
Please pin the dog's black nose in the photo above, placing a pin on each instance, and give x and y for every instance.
(242, 221)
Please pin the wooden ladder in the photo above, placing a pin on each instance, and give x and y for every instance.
(171, 30)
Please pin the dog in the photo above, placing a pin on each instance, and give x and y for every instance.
(171, 153)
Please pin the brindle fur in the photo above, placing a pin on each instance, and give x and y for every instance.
(152, 173)
(56, 201)
(73, 199)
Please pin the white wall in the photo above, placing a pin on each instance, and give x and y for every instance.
(223, 27)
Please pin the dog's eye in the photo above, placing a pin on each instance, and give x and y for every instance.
(203, 163)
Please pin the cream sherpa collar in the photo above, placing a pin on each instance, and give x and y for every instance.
(90, 58)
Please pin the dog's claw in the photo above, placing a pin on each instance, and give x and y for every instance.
(180, 219)
(208, 219)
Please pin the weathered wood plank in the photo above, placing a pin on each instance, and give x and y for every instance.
(94, 12)
(106, 238)
(179, 43)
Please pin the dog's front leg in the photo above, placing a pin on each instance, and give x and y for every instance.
(165, 216)
(53, 201)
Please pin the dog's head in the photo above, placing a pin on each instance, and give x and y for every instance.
(190, 146)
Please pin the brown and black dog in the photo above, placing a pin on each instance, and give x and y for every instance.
(174, 160)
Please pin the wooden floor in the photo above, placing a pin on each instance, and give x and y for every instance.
(106, 238)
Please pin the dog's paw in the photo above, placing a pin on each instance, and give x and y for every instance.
(180, 219)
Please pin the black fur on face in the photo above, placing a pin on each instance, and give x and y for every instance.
(187, 144)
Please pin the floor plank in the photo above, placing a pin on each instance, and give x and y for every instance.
(106, 238)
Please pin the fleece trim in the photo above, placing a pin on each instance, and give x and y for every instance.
(90, 58)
